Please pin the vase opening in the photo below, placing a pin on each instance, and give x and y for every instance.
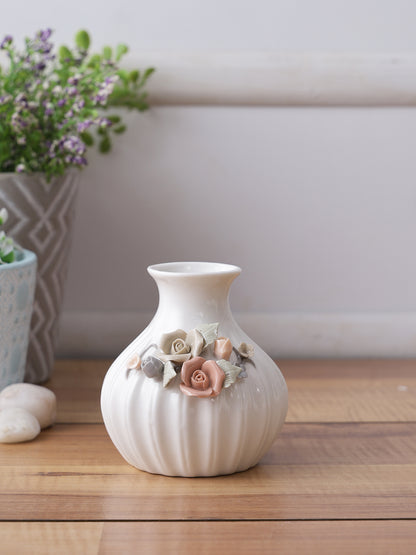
(193, 268)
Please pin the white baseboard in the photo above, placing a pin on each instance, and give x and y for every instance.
(280, 78)
(105, 334)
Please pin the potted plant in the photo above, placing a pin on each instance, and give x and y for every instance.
(17, 286)
(53, 107)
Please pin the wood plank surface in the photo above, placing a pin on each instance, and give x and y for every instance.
(313, 471)
(285, 538)
(52, 538)
(319, 390)
(340, 478)
(146, 538)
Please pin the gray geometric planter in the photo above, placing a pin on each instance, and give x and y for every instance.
(41, 219)
(17, 287)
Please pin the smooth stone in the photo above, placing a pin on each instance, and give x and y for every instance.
(38, 400)
(17, 425)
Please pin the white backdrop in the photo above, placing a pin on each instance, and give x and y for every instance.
(316, 204)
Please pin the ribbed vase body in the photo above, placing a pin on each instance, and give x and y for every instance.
(162, 430)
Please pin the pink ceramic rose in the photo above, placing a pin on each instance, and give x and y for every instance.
(201, 378)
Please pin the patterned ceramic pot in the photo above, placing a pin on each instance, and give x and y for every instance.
(17, 287)
(40, 218)
(193, 395)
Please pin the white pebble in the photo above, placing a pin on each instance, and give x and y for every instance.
(38, 400)
(17, 425)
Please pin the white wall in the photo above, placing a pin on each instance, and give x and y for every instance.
(316, 204)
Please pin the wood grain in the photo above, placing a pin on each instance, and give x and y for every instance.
(300, 538)
(351, 390)
(73, 472)
(325, 538)
(319, 391)
(51, 538)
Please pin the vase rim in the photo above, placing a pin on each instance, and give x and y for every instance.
(193, 269)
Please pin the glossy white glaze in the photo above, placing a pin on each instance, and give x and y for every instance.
(163, 431)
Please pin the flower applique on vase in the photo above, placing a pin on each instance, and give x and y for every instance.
(192, 395)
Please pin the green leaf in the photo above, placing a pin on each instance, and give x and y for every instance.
(65, 53)
(82, 40)
(8, 258)
(124, 76)
(105, 145)
(87, 138)
(114, 119)
(121, 49)
(134, 76)
(119, 129)
(107, 52)
(94, 61)
(148, 72)
(231, 372)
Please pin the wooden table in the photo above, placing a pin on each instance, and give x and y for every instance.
(341, 477)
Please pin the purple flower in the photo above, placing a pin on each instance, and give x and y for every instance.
(61, 102)
(104, 122)
(77, 106)
(84, 125)
(74, 145)
(111, 79)
(44, 35)
(74, 79)
(72, 91)
(5, 98)
(21, 100)
(8, 39)
(80, 160)
(20, 168)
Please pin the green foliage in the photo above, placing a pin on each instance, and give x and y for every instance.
(49, 105)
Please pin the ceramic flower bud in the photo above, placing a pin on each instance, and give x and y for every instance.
(134, 363)
(223, 348)
(195, 341)
(246, 350)
(152, 367)
(201, 378)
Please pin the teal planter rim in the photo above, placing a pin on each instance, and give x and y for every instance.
(28, 259)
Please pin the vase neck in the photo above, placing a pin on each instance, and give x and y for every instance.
(193, 293)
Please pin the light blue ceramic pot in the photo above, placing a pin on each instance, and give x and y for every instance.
(17, 287)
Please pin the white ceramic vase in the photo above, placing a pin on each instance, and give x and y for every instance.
(180, 428)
